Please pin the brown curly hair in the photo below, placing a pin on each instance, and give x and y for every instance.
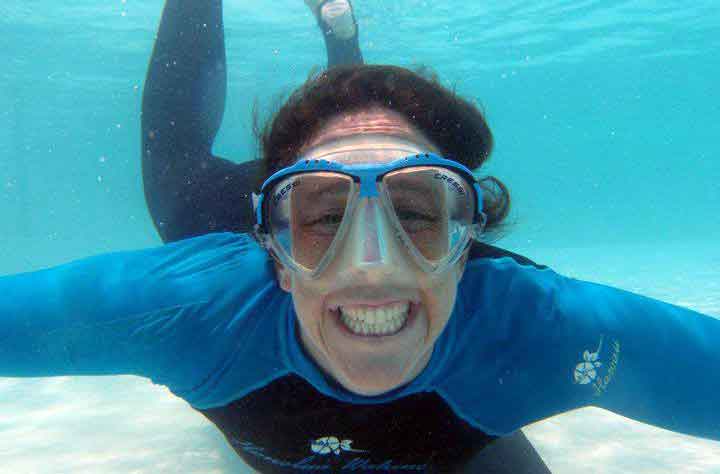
(456, 126)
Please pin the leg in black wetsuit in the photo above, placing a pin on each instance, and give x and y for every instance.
(190, 192)
(340, 51)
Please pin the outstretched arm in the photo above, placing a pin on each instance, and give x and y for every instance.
(559, 343)
(654, 362)
(189, 191)
(134, 312)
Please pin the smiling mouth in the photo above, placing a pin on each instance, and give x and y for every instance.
(375, 321)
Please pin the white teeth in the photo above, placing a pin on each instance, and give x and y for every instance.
(382, 314)
(375, 321)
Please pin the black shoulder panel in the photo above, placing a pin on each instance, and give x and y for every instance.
(480, 250)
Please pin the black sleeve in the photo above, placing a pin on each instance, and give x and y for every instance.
(188, 190)
(512, 454)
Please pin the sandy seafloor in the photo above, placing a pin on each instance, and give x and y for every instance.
(127, 425)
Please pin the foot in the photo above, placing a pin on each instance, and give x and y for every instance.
(336, 14)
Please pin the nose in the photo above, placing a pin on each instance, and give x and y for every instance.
(371, 255)
(370, 238)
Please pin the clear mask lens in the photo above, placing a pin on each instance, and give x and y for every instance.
(430, 210)
(433, 206)
(305, 214)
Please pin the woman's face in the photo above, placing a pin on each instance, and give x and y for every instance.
(370, 365)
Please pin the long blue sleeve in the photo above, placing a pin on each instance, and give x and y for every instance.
(533, 343)
(149, 312)
(660, 362)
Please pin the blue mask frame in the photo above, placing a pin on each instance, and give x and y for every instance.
(367, 175)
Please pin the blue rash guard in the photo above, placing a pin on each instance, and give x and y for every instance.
(206, 318)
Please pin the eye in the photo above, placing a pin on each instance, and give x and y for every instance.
(413, 221)
(327, 222)
(412, 215)
(328, 219)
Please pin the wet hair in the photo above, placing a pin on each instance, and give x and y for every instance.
(454, 125)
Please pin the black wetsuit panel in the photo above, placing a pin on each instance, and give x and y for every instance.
(273, 430)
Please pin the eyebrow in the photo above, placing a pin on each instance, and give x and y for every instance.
(408, 189)
(334, 188)
(415, 195)
(414, 185)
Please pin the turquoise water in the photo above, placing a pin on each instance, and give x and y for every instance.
(606, 117)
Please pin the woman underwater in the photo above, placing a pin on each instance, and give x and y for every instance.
(190, 192)
(378, 338)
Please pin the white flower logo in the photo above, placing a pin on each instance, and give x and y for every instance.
(585, 372)
(331, 444)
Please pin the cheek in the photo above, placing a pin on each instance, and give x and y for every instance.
(440, 300)
(308, 305)
(445, 302)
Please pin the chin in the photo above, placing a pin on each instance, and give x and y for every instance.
(370, 391)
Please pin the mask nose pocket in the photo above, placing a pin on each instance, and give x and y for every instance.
(370, 235)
